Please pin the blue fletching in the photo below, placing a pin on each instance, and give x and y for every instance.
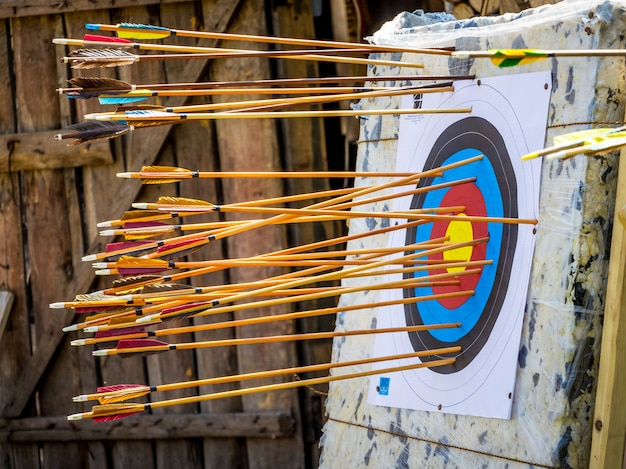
(93, 27)
(142, 26)
(149, 113)
(121, 100)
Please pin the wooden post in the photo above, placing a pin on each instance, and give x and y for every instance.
(609, 422)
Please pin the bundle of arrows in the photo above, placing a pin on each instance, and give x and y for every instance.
(112, 51)
(127, 317)
(298, 98)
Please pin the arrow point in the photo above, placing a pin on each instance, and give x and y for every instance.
(71, 328)
(75, 417)
(59, 305)
(124, 175)
(77, 342)
(90, 257)
(81, 398)
(100, 353)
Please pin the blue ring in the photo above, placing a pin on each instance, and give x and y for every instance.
(432, 311)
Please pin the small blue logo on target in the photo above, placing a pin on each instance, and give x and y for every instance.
(383, 386)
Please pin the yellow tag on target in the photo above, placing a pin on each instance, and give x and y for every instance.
(459, 232)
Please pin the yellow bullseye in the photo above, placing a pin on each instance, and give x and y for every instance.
(458, 232)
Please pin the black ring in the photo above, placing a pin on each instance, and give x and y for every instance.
(479, 134)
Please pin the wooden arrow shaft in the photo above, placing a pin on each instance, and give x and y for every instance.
(282, 40)
(277, 372)
(337, 200)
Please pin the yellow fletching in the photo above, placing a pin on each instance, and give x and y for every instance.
(143, 35)
(159, 181)
(87, 297)
(511, 53)
(163, 169)
(146, 170)
(127, 261)
(114, 409)
(145, 233)
(130, 289)
(137, 236)
(590, 141)
(132, 214)
(123, 396)
(122, 320)
(511, 57)
(167, 200)
(582, 135)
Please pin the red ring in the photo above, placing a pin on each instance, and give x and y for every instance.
(469, 196)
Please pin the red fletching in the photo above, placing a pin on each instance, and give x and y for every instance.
(121, 331)
(180, 244)
(176, 250)
(175, 309)
(124, 245)
(146, 344)
(97, 38)
(137, 246)
(145, 224)
(122, 387)
(107, 412)
(110, 418)
(135, 282)
(140, 343)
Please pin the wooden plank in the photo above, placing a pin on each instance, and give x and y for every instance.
(33, 370)
(303, 144)
(193, 145)
(123, 453)
(216, 425)
(85, 363)
(38, 150)
(609, 421)
(259, 150)
(173, 367)
(20, 8)
(46, 218)
(195, 148)
(15, 351)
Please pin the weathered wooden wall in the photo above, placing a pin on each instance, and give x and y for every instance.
(52, 196)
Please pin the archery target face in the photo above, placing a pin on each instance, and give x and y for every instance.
(507, 121)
